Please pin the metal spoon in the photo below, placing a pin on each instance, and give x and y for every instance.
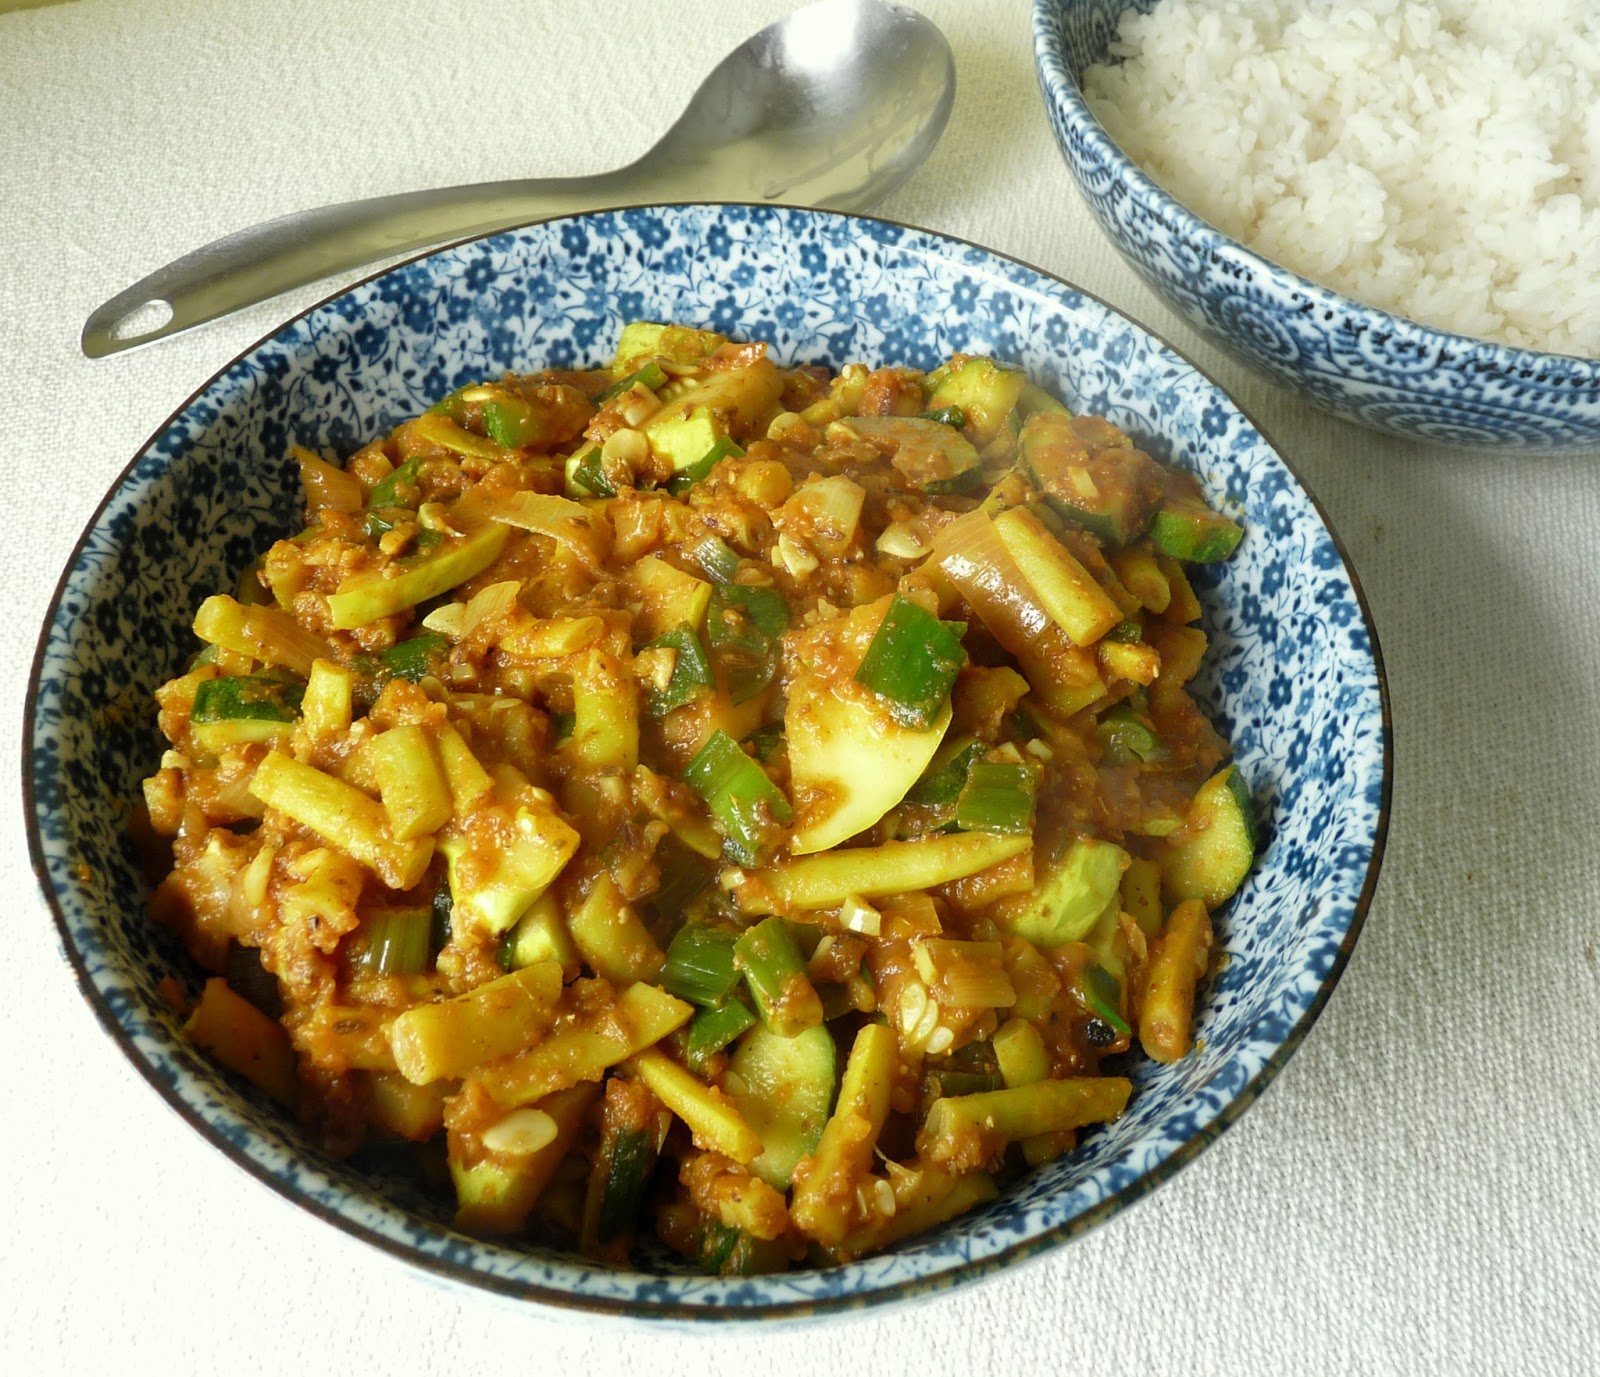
(834, 106)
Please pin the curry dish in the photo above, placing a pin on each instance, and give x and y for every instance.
(708, 799)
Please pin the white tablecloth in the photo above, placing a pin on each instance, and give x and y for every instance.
(1418, 1191)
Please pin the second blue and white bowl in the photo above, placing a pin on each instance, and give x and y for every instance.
(1358, 362)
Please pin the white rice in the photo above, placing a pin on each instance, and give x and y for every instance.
(1438, 160)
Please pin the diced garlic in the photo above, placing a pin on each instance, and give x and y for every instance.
(883, 1195)
(431, 517)
(629, 447)
(641, 405)
(794, 556)
(447, 619)
(902, 540)
(913, 1005)
(521, 1133)
(859, 916)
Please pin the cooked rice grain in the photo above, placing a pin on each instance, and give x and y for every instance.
(1440, 160)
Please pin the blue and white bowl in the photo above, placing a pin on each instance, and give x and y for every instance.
(1294, 678)
(1358, 362)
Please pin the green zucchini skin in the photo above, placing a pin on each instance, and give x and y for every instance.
(1071, 897)
(1090, 475)
(1210, 855)
(1188, 530)
(784, 1087)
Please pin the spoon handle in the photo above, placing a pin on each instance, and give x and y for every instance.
(279, 255)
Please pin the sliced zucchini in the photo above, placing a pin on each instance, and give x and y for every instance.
(924, 451)
(493, 887)
(985, 391)
(1208, 857)
(1186, 528)
(688, 426)
(643, 339)
(784, 1089)
(245, 708)
(848, 764)
(1035, 399)
(1090, 474)
(1065, 906)
(539, 935)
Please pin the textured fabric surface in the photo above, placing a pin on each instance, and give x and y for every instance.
(1416, 1193)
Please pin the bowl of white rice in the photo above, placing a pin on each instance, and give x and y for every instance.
(1392, 207)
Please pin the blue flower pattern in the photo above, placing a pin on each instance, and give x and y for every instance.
(1293, 676)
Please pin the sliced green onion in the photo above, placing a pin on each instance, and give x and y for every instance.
(748, 806)
(455, 405)
(630, 1157)
(439, 927)
(691, 671)
(651, 376)
(937, 1082)
(717, 1243)
(1126, 737)
(764, 741)
(1100, 994)
(684, 874)
(717, 558)
(700, 964)
(247, 698)
(724, 448)
(416, 658)
(943, 780)
(977, 1056)
(423, 542)
(380, 521)
(511, 421)
(398, 489)
(775, 972)
(591, 477)
(743, 625)
(398, 941)
(996, 798)
(710, 1030)
(952, 416)
(913, 661)
(746, 681)
(747, 620)
(248, 978)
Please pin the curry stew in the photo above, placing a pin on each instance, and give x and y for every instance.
(700, 796)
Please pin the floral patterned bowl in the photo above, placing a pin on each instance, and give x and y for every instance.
(1294, 678)
(1356, 361)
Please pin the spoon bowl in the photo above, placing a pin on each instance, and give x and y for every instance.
(833, 106)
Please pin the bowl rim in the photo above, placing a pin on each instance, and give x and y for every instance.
(1057, 85)
(507, 1289)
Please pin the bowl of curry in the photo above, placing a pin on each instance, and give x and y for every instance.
(709, 761)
